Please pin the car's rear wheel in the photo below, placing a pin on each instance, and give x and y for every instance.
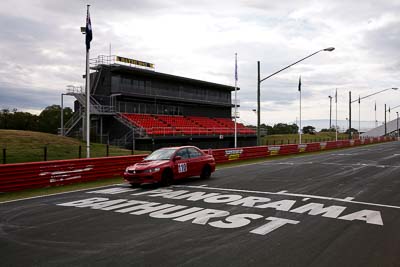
(205, 172)
(167, 178)
(135, 184)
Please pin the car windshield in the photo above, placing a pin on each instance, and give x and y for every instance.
(161, 154)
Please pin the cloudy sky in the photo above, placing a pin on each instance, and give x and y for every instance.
(42, 49)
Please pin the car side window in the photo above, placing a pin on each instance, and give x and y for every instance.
(194, 153)
(183, 153)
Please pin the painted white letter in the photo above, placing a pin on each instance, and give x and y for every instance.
(77, 203)
(202, 217)
(317, 209)
(284, 205)
(222, 198)
(166, 213)
(236, 221)
(274, 224)
(249, 201)
(369, 216)
(195, 196)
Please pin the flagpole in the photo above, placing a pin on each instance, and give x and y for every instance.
(236, 78)
(87, 91)
(336, 116)
(300, 110)
(359, 116)
(376, 122)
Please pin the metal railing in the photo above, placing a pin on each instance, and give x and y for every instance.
(188, 131)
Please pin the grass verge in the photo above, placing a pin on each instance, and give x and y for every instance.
(28, 146)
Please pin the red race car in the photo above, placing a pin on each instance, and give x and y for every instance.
(167, 164)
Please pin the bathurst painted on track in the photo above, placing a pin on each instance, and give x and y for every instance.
(331, 209)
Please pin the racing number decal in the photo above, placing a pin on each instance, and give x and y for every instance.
(182, 167)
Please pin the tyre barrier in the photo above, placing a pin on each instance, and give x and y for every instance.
(21, 176)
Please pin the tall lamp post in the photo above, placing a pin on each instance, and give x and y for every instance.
(62, 114)
(397, 125)
(330, 112)
(359, 101)
(259, 81)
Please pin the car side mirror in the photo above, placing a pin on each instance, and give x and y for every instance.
(177, 158)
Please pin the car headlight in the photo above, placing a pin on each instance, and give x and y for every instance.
(152, 170)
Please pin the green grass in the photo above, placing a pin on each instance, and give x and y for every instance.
(27, 146)
(278, 139)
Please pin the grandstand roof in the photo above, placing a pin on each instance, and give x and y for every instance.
(134, 70)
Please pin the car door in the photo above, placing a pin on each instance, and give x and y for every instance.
(181, 169)
(196, 161)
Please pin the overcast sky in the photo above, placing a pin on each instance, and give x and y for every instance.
(42, 49)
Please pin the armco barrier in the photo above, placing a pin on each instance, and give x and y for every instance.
(61, 172)
(244, 153)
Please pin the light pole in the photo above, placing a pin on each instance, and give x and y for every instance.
(397, 125)
(385, 121)
(376, 122)
(62, 114)
(359, 101)
(330, 112)
(259, 81)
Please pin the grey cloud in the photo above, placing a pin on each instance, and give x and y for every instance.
(26, 98)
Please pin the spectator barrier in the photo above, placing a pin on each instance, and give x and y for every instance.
(21, 176)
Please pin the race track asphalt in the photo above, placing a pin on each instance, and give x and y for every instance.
(337, 208)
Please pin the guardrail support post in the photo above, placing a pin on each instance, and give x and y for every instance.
(45, 153)
(107, 150)
(80, 152)
(4, 156)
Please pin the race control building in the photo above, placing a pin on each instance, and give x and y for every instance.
(132, 105)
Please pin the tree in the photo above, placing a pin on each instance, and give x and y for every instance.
(309, 130)
(18, 120)
(50, 118)
(283, 128)
(351, 130)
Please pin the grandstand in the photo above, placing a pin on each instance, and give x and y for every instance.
(133, 105)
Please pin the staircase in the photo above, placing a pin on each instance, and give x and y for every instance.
(96, 108)
(72, 122)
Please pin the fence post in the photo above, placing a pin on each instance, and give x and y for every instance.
(80, 152)
(107, 150)
(4, 156)
(45, 153)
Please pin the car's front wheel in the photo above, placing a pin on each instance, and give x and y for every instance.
(167, 177)
(206, 172)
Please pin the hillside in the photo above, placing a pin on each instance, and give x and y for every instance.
(306, 138)
(28, 146)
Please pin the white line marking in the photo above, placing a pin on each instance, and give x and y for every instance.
(333, 164)
(306, 198)
(291, 194)
(349, 198)
(281, 192)
(55, 194)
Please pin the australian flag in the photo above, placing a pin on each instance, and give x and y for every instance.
(88, 31)
(236, 69)
(300, 84)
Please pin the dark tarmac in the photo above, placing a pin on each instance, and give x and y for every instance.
(338, 208)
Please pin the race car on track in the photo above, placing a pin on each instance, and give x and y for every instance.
(167, 164)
